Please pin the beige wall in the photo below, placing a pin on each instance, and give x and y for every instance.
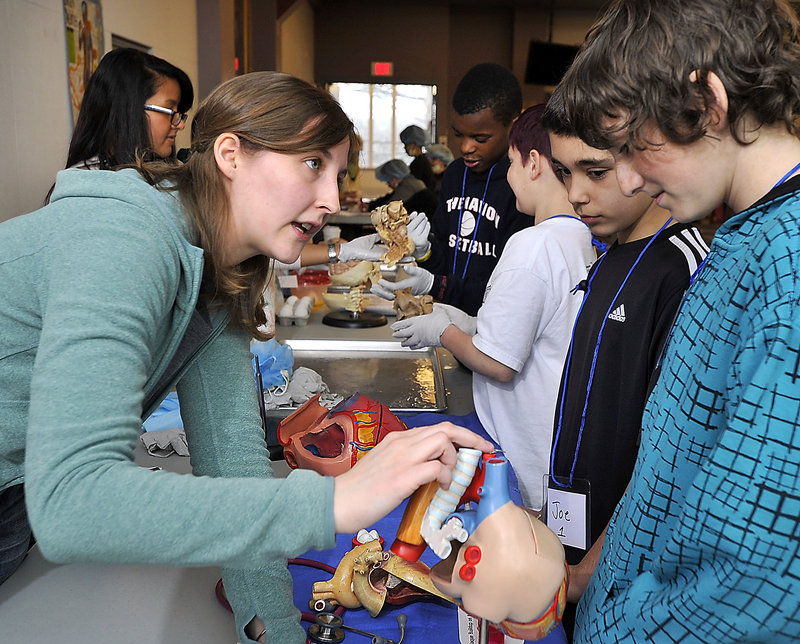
(435, 43)
(295, 41)
(349, 34)
(428, 42)
(34, 102)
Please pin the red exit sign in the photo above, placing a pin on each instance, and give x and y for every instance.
(382, 69)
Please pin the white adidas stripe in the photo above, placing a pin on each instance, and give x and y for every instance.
(696, 239)
(687, 240)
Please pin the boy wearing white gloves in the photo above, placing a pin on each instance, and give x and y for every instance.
(370, 247)
(517, 344)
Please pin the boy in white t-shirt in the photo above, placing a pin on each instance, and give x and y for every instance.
(517, 344)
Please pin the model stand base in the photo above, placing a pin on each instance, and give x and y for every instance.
(351, 320)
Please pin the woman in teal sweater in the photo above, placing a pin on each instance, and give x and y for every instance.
(133, 282)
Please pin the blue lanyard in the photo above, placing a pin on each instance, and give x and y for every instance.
(477, 219)
(786, 176)
(594, 360)
(697, 272)
(599, 245)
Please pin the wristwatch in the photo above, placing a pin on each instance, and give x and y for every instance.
(333, 258)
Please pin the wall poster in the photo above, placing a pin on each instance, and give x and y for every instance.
(84, 23)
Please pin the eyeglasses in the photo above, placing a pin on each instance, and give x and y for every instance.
(176, 118)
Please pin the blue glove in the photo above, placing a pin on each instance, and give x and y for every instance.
(167, 415)
(423, 330)
(467, 323)
(418, 230)
(273, 358)
(418, 280)
(368, 248)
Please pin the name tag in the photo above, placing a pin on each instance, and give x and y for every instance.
(566, 512)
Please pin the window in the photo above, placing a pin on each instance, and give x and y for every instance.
(381, 111)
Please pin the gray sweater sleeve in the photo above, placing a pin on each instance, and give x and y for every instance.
(107, 296)
(295, 514)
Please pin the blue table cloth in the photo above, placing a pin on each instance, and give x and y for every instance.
(428, 621)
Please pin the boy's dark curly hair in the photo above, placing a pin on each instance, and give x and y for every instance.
(492, 86)
(639, 63)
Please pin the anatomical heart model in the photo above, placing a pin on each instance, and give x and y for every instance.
(499, 562)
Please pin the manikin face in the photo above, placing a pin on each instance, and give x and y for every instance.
(162, 132)
(330, 442)
(482, 139)
(511, 569)
(278, 201)
(592, 188)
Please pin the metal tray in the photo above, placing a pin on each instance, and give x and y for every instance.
(404, 380)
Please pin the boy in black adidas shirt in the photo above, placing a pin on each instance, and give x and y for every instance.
(631, 297)
(477, 211)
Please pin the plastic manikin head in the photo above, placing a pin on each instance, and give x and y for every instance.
(511, 568)
(331, 441)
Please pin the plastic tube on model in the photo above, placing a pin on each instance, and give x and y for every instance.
(437, 532)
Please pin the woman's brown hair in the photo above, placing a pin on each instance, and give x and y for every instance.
(267, 111)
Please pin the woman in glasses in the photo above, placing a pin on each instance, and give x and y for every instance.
(134, 104)
(132, 282)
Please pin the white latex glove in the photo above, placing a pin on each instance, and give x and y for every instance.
(419, 281)
(367, 248)
(423, 330)
(467, 323)
(418, 229)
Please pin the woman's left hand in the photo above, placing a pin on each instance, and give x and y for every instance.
(395, 468)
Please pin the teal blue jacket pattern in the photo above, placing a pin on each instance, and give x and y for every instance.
(705, 545)
(97, 290)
